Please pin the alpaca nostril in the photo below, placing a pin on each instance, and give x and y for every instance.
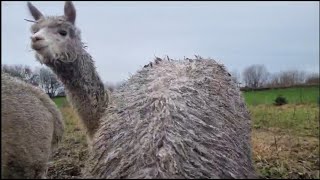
(36, 38)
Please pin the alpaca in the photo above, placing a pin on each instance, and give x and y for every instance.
(31, 127)
(172, 119)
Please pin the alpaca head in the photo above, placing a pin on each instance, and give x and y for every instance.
(55, 38)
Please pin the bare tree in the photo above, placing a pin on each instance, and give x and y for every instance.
(236, 77)
(274, 80)
(255, 76)
(35, 79)
(313, 78)
(47, 80)
(300, 77)
(291, 77)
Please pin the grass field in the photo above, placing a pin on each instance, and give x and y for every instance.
(60, 101)
(299, 95)
(285, 139)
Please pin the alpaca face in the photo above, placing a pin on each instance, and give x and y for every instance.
(55, 38)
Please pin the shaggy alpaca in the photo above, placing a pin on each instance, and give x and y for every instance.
(31, 127)
(173, 119)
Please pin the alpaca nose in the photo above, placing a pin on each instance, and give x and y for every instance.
(36, 38)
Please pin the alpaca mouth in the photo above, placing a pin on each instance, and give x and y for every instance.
(38, 47)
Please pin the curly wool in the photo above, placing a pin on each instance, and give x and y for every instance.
(179, 119)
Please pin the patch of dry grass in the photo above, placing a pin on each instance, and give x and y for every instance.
(69, 159)
(286, 140)
(279, 155)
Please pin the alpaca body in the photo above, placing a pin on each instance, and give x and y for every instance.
(31, 127)
(177, 119)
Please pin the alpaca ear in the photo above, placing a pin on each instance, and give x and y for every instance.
(34, 11)
(70, 12)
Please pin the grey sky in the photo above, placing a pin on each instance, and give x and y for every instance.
(124, 36)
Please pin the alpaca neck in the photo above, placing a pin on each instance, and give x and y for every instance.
(84, 89)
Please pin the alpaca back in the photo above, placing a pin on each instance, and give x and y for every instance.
(180, 119)
(31, 126)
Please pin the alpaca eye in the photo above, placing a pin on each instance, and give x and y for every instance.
(63, 32)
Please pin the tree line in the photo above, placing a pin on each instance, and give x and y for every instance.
(40, 77)
(257, 76)
(253, 77)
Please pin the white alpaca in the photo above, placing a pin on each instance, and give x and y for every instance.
(173, 119)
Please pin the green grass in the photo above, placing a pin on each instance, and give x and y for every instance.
(285, 138)
(302, 120)
(298, 95)
(60, 101)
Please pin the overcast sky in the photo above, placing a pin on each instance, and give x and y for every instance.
(124, 36)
